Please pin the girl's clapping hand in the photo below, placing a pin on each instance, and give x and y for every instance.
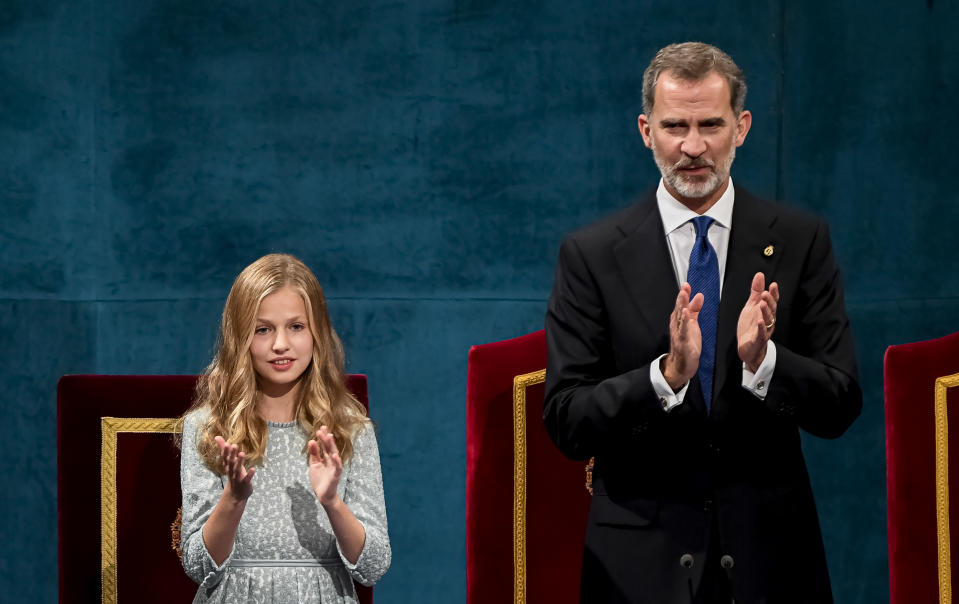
(325, 466)
(240, 478)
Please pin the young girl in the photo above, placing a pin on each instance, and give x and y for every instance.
(282, 492)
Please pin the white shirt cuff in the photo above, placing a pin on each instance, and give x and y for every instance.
(758, 383)
(667, 398)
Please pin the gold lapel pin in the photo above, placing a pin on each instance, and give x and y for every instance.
(768, 251)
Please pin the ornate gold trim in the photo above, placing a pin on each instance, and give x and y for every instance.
(520, 384)
(110, 427)
(942, 485)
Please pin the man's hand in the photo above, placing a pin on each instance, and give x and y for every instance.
(757, 321)
(685, 340)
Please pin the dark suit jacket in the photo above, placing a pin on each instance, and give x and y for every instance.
(661, 478)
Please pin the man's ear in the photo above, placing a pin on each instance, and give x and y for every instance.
(742, 127)
(643, 123)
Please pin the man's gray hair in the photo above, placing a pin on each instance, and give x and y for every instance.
(692, 61)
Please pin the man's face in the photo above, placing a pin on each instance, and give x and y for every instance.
(694, 134)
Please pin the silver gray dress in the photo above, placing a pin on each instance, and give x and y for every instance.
(284, 549)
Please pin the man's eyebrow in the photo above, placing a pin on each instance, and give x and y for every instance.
(666, 123)
(713, 121)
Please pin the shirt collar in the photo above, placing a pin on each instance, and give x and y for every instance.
(675, 214)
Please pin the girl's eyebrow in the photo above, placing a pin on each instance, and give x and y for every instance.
(290, 320)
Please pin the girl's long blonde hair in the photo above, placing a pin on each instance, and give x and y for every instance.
(229, 386)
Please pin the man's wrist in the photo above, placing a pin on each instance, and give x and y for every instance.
(753, 366)
(672, 379)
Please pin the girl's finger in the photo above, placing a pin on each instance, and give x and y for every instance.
(321, 453)
(331, 445)
(325, 437)
(314, 449)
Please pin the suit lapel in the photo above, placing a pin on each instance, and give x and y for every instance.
(753, 232)
(645, 266)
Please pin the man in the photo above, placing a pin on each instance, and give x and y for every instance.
(688, 379)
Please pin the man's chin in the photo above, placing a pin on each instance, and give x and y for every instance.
(694, 190)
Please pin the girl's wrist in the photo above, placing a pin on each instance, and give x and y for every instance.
(232, 497)
(332, 503)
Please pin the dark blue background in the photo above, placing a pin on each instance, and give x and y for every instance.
(425, 158)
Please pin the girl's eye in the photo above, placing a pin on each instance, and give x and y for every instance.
(297, 327)
(261, 331)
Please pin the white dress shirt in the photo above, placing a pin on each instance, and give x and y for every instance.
(680, 237)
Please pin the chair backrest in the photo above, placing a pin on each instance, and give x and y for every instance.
(115, 539)
(526, 504)
(921, 383)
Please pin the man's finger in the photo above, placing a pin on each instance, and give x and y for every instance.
(697, 302)
(759, 284)
(770, 301)
(676, 317)
(767, 313)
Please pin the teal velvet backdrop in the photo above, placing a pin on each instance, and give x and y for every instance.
(425, 158)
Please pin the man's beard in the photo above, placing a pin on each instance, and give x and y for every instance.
(695, 187)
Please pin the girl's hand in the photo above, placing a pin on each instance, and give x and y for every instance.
(240, 480)
(325, 466)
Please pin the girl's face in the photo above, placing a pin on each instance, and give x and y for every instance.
(282, 345)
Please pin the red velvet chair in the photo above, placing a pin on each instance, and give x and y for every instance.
(115, 539)
(526, 504)
(922, 394)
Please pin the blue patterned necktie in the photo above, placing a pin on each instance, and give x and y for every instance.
(703, 276)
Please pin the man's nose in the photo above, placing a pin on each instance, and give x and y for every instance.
(693, 145)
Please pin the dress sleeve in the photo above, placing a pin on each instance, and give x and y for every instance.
(201, 489)
(363, 495)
